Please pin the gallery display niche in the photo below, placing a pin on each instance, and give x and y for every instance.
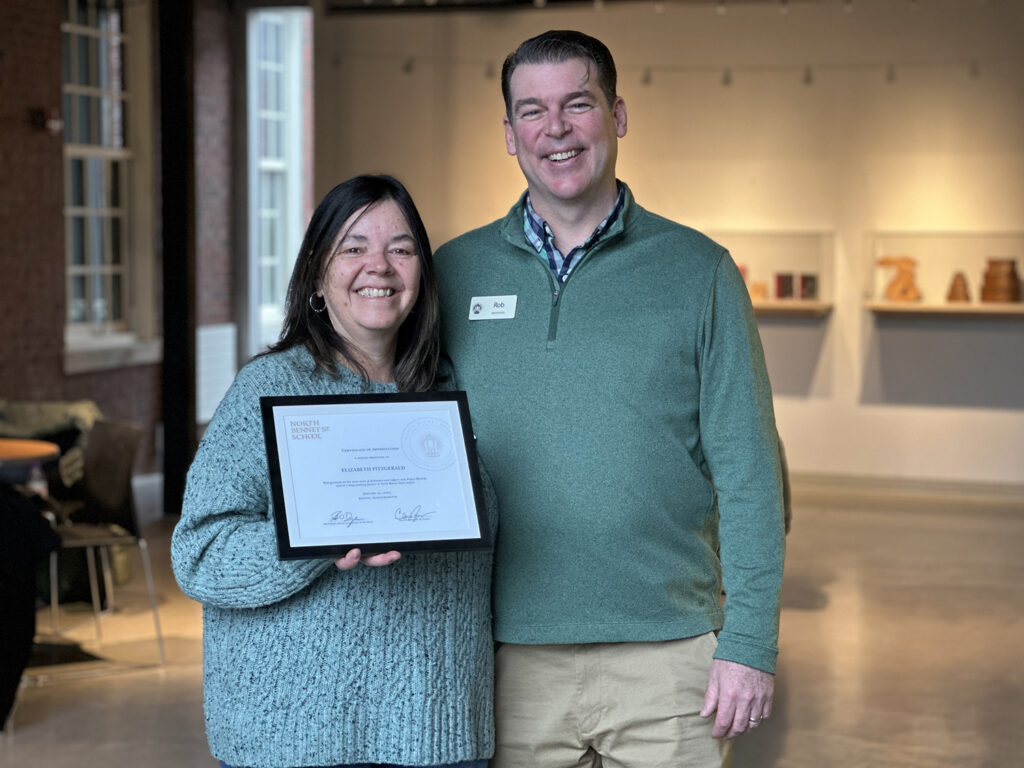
(788, 274)
(952, 273)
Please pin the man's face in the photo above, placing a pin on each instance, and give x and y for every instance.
(564, 134)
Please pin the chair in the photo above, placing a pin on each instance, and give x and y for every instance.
(104, 517)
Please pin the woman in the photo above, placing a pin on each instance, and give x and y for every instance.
(376, 659)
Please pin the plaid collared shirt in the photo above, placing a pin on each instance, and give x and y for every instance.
(539, 235)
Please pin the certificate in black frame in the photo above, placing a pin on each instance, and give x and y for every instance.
(439, 459)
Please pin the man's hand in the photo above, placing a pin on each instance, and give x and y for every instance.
(354, 557)
(741, 695)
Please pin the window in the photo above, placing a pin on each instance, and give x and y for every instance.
(108, 236)
(279, 129)
(96, 158)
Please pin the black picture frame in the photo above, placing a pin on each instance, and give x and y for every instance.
(279, 413)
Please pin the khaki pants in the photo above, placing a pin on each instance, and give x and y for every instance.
(605, 705)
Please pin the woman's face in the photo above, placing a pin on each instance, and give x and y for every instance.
(372, 277)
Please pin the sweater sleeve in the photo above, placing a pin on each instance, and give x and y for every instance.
(740, 446)
(224, 548)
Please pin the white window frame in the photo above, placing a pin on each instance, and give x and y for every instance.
(103, 341)
(275, 231)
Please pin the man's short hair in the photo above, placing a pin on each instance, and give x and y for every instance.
(556, 46)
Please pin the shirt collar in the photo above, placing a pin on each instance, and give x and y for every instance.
(540, 236)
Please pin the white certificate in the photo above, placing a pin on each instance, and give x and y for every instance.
(377, 472)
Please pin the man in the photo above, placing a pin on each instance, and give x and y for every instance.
(618, 389)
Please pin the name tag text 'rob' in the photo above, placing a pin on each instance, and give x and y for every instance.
(492, 307)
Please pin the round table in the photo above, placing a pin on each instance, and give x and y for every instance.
(15, 452)
(18, 455)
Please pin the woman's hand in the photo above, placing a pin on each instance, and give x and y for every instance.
(354, 557)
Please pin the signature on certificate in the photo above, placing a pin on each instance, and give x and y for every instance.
(413, 515)
(348, 519)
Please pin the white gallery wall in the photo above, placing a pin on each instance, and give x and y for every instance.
(846, 122)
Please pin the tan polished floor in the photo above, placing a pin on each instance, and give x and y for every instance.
(902, 628)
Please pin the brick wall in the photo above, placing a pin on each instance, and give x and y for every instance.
(32, 302)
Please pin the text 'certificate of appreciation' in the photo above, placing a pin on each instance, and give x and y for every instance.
(377, 472)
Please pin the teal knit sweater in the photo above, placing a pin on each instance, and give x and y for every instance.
(307, 665)
(612, 411)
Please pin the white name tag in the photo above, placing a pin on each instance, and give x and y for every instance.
(492, 307)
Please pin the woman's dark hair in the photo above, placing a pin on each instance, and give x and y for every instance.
(554, 47)
(416, 355)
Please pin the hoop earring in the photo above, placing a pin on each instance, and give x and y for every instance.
(315, 309)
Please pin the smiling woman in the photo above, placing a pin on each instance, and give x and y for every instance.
(320, 661)
(371, 283)
(365, 239)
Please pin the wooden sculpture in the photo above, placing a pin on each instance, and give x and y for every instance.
(902, 287)
(1000, 281)
(958, 288)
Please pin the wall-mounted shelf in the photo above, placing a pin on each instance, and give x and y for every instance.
(791, 308)
(965, 309)
(938, 256)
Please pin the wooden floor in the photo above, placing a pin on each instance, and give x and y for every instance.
(902, 629)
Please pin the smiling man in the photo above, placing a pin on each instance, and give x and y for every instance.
(619, 394)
